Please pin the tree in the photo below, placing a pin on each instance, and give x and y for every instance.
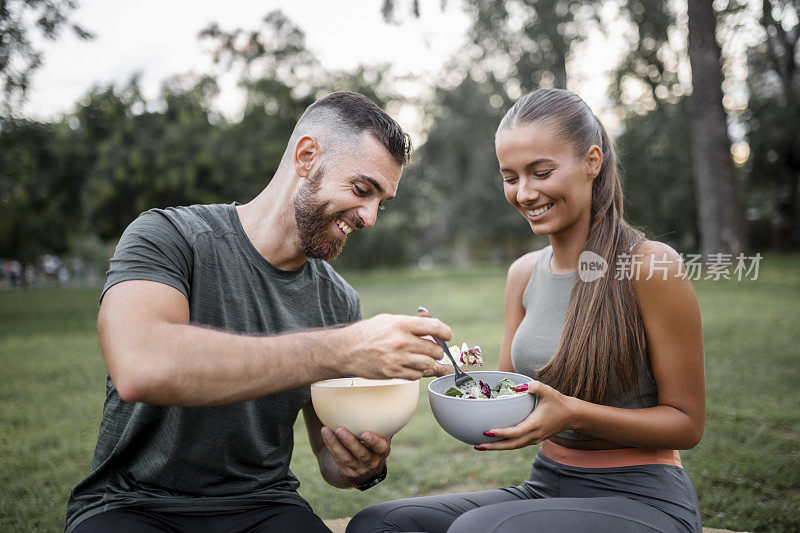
(657, 176)
(40, 187)
(524, 43)
(648, 74)
(772, 118)
(719, 213)
(19, 57)
(514, 46)
(150, 159)
(281, 77)
(649, 78)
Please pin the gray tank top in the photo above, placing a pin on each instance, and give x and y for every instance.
(546, 299)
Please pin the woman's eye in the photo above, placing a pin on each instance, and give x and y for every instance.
(509, 179)
(544, 174)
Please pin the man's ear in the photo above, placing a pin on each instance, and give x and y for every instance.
(306, 153)
(594, 161)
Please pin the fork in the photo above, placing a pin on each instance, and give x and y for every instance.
(462, 378)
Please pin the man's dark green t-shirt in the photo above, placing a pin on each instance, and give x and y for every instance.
(202, 459)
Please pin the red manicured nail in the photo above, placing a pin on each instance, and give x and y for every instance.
(521, 387)
(480, 448)
(488, 433)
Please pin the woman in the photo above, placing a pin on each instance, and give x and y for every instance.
(618, 360)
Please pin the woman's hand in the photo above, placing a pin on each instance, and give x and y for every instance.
(550, 417)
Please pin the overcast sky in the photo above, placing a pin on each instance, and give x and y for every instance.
(159, 38)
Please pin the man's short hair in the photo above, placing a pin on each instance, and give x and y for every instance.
(357, 113)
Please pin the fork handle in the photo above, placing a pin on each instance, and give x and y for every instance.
(459, 372)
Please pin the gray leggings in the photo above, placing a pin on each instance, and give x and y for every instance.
(557, 497)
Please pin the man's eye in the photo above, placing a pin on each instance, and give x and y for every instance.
(359, 191)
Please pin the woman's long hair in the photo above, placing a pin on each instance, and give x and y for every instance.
(603, 341)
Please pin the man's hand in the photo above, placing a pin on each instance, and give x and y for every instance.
(439, 369)
(391, 346)
(358, 460)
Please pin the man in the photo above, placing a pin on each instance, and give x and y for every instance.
(204, 381)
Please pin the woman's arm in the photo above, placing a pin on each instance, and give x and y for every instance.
(518, 275)
(671, 316)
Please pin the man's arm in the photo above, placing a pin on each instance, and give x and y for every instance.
(155, 355)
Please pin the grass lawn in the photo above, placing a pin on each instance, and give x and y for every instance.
(746, 469)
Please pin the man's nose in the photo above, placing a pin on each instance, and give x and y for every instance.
(369, 214)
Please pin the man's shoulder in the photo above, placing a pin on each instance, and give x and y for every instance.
(189, 220)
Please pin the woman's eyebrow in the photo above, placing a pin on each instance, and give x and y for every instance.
(538, 161)
(531, 164)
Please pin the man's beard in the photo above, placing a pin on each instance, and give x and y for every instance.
(316, 238)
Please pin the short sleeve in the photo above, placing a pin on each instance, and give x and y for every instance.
(355, 312)
(152, 249)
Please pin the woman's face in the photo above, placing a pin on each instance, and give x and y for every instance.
(544, 179)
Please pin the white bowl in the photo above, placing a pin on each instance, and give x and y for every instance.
(382, 406)
(467, 419)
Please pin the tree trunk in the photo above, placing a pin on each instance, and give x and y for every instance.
(781, 47)
(785, 219)
(561, 49)
(712, 166)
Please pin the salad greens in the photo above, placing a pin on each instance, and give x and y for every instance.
(505, 387)
(465, 354)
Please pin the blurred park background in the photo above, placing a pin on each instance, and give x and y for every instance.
(702, 98)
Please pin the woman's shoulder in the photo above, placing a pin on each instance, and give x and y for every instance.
(655, 262)
(649, 254)
(521, 269)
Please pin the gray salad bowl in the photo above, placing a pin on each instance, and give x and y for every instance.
(467, 419)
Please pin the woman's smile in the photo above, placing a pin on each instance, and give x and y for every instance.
(538, 213)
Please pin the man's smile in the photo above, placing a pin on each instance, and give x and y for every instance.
(343, 226)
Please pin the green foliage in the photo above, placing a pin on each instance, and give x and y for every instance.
(656, 175)
(276, 49)
(653, 57)
(40, 183)
(246, 154)
(118, 153)
(534, 37)
(524, 44)
(153, 159)
(773, 180)
(745, 468)
(22, 23)
(457, 183)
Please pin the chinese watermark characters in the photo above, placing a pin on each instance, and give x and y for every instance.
(592, 266)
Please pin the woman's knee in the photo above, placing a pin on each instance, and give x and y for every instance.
(409, 515)
(474, 521)
(500, 518)
(373, 519)
(364, 521)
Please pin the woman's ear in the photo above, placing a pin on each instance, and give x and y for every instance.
(594, 161)
(305, 154)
